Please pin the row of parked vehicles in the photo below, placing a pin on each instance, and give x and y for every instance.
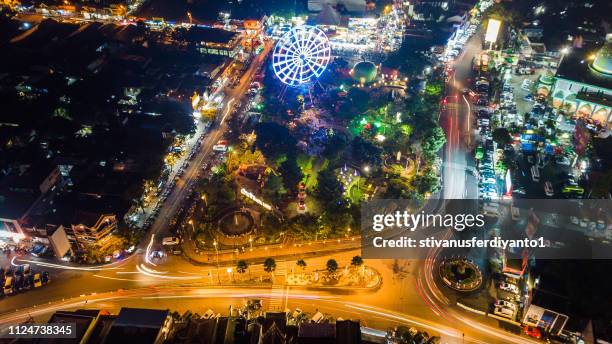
(487, 183)
(457, 42)
(21, 278)
(506, 306)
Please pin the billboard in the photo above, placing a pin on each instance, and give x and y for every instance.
(548, 320)
(492, 30)
(60, 243)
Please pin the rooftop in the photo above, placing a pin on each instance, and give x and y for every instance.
(83, 319)
(210, 35)
(141, 317)
(576, 66)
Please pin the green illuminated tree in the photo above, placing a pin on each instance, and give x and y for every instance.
(291, 173)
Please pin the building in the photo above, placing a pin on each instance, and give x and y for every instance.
(583, 84)
(23, 190)
(139, 325)
(547, 306)
(60, 243)
(92, 228)
(351, 6)
(213, 41)
(84, 319)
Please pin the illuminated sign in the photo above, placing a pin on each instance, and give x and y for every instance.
(508, 183)
(492, 30)
(254, 198)
(195, 100)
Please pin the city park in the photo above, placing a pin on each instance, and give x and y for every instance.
(329, 136)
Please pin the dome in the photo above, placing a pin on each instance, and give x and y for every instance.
(364, 72)
(547, 78)
(603, 61)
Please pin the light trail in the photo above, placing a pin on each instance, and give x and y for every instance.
(157, 274)
(148, 251)
(227, 111)
(116, 278)
(62, 267)
(469, 116)
(455, 334)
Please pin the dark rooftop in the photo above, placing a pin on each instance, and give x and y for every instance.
(141, 317)
(575, 67)
(137, 325)
(211, 35)
(316, 333)
(83, 319)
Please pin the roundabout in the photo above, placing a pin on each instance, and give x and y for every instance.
(460, 274)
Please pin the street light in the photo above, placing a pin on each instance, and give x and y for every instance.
(564, 51)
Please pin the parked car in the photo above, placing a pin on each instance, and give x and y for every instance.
(533, 332)
(512, 288)
(170, 241)
(548, 189)
(506, 304)
(503, 312)
(8, 285)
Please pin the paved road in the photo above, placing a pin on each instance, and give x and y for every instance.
(457, 121)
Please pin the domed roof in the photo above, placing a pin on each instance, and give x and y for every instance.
(547, 78)
(603, 61)
(364, 72)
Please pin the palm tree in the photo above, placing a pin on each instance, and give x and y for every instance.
(269, 265)
(357, 261)
(332, 266)
(241, 266)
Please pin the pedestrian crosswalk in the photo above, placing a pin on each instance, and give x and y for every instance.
(277, 298)
(277, 293)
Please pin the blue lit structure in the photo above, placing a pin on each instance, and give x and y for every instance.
(301, 55)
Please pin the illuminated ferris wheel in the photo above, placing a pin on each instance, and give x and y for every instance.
(301, 55)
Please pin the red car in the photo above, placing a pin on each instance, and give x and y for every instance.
(533, 332)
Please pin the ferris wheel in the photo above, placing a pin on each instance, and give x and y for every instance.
(301, 55)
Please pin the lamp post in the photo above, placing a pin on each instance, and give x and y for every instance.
(217, 254)
(229, 273)
(564, 51)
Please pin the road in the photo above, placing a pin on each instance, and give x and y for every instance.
(457, 122)
(458, 183)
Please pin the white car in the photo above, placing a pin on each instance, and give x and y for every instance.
(170, 241)
(548, 189)
(504, 312)
(505, 304)
(512, 288)
(526, 82)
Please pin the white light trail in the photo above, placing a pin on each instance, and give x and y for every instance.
(63, 267)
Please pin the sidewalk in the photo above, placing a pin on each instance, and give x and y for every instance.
(278, 251)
